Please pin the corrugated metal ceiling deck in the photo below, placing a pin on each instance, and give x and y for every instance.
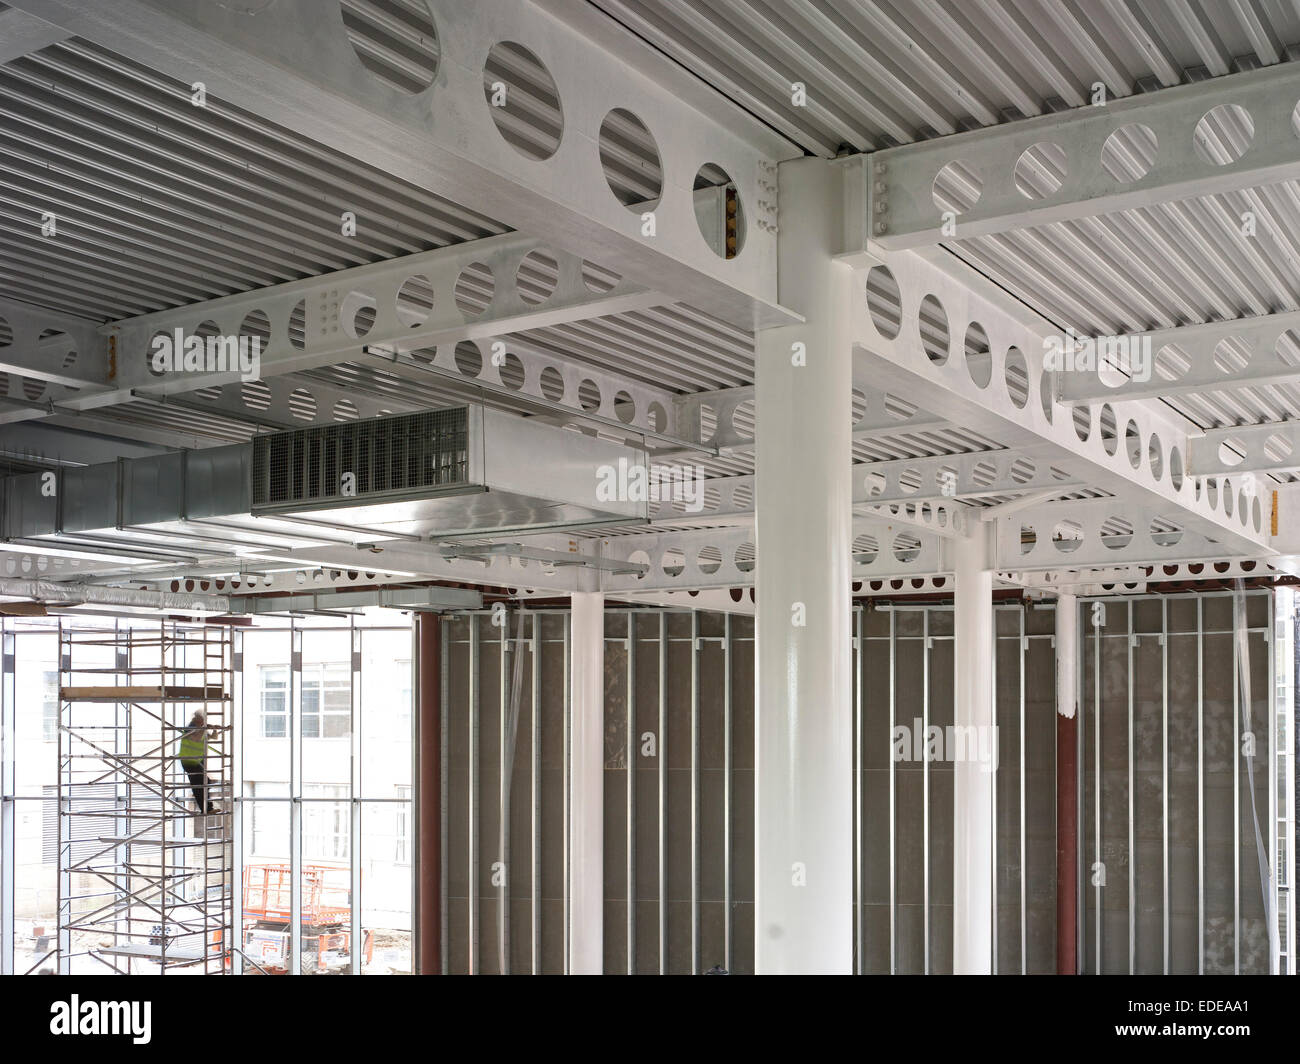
(162, 203)
(883, 73)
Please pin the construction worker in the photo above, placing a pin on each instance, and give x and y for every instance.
(193, 755)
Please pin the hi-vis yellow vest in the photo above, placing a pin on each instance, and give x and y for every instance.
(194, 745)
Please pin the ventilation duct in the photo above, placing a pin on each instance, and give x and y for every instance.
(462, 469)
(436, 473)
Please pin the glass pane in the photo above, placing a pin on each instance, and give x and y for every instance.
(265, 899)
(327, 751)
(35, 885)
(265, 745)
(336, 726)
(36, 684)
(386, 887)
(385, 712)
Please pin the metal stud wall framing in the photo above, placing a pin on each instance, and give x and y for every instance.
(1169, 877)
(680, 789)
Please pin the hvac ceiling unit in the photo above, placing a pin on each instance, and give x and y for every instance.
(462, 469)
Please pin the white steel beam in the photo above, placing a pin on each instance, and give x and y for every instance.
(971, 475)
(418, 302)
(1108, 532)
(48, 346)
(724, 419)
(1273, 447)
(292, 63)
(1005, 394)
(1191, 158)
(1216, 356)
(467, 291)
(1136, 579)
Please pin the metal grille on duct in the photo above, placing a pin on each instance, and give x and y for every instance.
(404, 455)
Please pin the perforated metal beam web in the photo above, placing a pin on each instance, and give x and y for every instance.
(1217, 135)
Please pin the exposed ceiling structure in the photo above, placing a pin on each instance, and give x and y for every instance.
(411, 208)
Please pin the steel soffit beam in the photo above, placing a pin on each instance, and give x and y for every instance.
(1145, 463)
(899, 196)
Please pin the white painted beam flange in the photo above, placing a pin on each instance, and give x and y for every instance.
(902, 208)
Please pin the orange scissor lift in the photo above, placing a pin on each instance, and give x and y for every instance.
(326, 918)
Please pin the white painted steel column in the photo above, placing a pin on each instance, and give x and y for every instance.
(587, 795)
(1067, 657)
(1067, 784)
(803, 878)
(972, 918)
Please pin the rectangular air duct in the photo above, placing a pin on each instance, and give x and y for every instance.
(463, 469)
(457, 470)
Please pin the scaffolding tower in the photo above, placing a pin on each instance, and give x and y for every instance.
(145, 876)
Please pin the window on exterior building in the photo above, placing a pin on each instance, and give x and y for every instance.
(274, 686)
(326, 701)
(267, 822)
(50, 706)
(326, 826)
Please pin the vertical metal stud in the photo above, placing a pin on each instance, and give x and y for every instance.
(568, 785)
(893, 800)
(993, 887)
(726, 792)
(630, 794)
(503, 813)
(1200, 786)
(1132, 872)
(1024, 890)
(473, 796)
(1164, 776)
(925, 788)
(1238, 619)
(444, 698)
(536, 784)
(1080, 753)
(1096, 785)
(695, 793)
(859, 652)
(662, 751)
